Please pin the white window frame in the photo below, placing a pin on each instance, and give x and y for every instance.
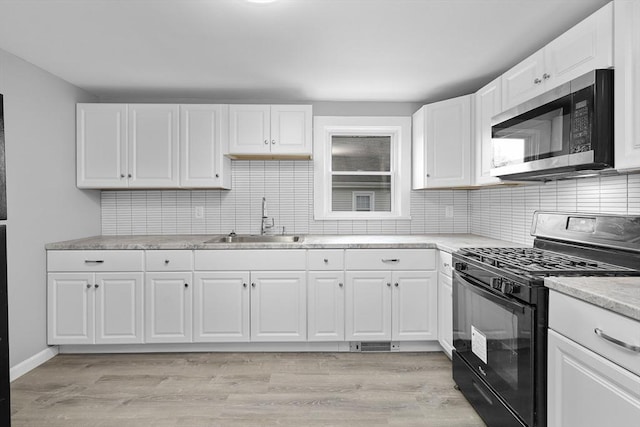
(397, 128)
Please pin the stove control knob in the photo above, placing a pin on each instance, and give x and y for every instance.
(460, 266)
(496, 283)
(511, 288)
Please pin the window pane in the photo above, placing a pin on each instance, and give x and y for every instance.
(361, 153)
(361, 193)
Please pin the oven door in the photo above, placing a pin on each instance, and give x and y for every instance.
(494, 335)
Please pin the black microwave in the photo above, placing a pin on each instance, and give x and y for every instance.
(567, 131)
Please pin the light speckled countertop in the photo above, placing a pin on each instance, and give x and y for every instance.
(446, 242)
(618, 294)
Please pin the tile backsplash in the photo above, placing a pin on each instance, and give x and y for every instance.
(288, 188)
(499, 212)
(506, 212)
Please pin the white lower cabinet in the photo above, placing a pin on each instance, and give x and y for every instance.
(368, 300)
(445, 313)
(413, 310)
(445, 302)
(278, 306)
(168, 307)
(94, 308)
(587, 390)
(592, 379)
(325, 306)
(217, 296)
(221, 307)
(384, 306)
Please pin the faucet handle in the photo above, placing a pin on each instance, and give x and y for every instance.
(232, 234)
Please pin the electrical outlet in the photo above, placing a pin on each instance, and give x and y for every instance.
(448, 211)
(198, 212)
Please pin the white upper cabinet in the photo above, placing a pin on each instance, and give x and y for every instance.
(102, 146)
(270, 131)
(442, 144)
(250, 129)
(203, 130)
(627, 85)
(488, 104)
(291, 129)
(153, 145)
(585, 47)
(524, 81)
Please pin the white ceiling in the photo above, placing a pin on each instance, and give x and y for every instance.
(291, 50)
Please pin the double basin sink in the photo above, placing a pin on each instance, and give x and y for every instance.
(256, 238)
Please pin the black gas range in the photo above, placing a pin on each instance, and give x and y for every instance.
(500, 308)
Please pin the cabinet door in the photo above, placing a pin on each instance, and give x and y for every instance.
(414, 312)
(70, 308)
(291, 129)
(368, 306)
(448, 143)
(445, 313)
(168, 307)
(627, 85)
(221, 307)
(585, 47)
(118, 308)
(249, 129)
(101, 145)
(524, 81)
(278, 306)
(153, 145)
(203, 130)
(488, 104)
(326, 306)
(587, 390)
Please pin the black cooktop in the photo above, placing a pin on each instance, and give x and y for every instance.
(540, 262)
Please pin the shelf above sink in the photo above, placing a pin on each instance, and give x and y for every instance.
(256, 238)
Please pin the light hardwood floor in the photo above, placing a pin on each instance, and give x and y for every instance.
(242, 389)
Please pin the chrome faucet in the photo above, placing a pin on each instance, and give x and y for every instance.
(264, 223)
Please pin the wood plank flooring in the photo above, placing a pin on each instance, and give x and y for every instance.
(242, 389)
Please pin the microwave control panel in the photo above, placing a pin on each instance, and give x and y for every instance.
(581, 126)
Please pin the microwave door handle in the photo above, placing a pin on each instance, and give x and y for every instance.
(489, 295)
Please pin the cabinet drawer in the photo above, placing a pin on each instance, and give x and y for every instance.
(578, 321)
(243, 260)
(95, 261)
(445, 263)
(179, 260)
(390, 259)
(325, 259)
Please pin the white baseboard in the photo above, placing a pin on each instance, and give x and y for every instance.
(342, 346)
(33, 362)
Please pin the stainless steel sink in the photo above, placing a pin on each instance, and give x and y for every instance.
(256, 238)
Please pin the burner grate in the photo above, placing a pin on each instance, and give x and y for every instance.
(536, 261)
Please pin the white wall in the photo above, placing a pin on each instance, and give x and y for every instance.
(43, 202)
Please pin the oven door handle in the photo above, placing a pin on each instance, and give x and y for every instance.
(489, 295)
